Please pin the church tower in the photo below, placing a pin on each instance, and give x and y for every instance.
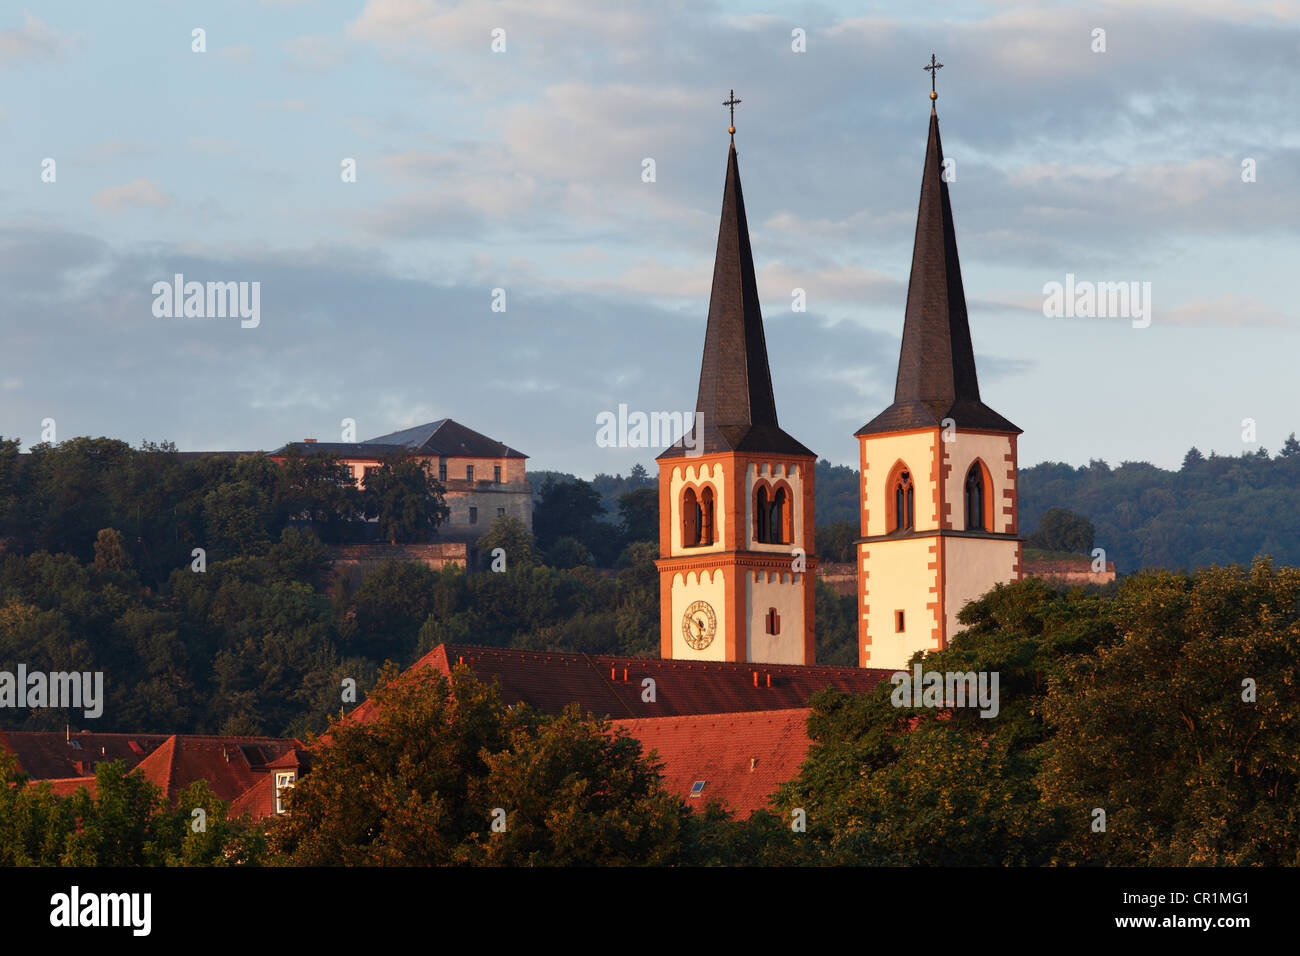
(939, 514)
(736, 567)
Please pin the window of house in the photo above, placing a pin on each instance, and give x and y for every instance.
(501, 512)
(469, 472)
(284, 780)
(697, 788)
(898, 622)
(975, 498)
(442, 471)
(496, 474)
(473, 515)
(773, 621)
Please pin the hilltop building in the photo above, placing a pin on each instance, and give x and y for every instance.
(483, 478)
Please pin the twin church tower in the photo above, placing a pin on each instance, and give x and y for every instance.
(737, 563)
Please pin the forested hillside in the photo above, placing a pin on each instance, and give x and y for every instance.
(1214, 510)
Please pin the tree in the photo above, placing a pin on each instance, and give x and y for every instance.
(1193, 458)
(1184, 731)
(566, 509)
(424, 780)
(568, 553)
(1291, 448)
(1062, 530)
(836, 541)
(513, 538)
(638, 513)
(388, 609)
(318, 489)
(404, 498)
(110, 553)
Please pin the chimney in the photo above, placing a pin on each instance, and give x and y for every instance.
(309, 441)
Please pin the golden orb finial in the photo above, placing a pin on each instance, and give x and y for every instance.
(933, 95)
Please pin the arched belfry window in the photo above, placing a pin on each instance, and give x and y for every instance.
(975, 494)
(690, 519)
(904, 502)
(776, 521)
(706, 516)
(979, 498)
(762, 517)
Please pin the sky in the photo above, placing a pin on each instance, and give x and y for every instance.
(523, 169)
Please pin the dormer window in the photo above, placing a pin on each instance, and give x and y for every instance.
(284, 780)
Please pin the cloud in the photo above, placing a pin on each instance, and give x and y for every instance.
(34, 40)
(1230, 310)
(139, 193)
(289, 106)
(240, 53)
(315, 53)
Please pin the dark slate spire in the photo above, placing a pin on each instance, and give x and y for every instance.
(735, 395)
(936, 365)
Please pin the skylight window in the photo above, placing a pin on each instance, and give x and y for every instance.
(697, 788)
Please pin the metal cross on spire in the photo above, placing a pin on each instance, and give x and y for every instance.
(933, 69)
(732, 103)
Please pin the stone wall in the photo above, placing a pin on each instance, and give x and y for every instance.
(353, 561)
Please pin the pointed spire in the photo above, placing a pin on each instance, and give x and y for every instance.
(936, 364)
(735, 394)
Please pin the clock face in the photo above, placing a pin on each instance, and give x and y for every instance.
(699, 625)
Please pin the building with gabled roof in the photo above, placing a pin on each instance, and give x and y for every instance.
(482, 479)
(232, 766)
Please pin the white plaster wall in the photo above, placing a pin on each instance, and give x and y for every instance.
(971, 567)
(783, 591)
(898, 578)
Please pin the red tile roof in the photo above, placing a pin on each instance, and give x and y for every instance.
(54, 755)
(742, 758)
(609, 685)
(230, 765)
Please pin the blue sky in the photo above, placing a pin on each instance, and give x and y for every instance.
(522, 170)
